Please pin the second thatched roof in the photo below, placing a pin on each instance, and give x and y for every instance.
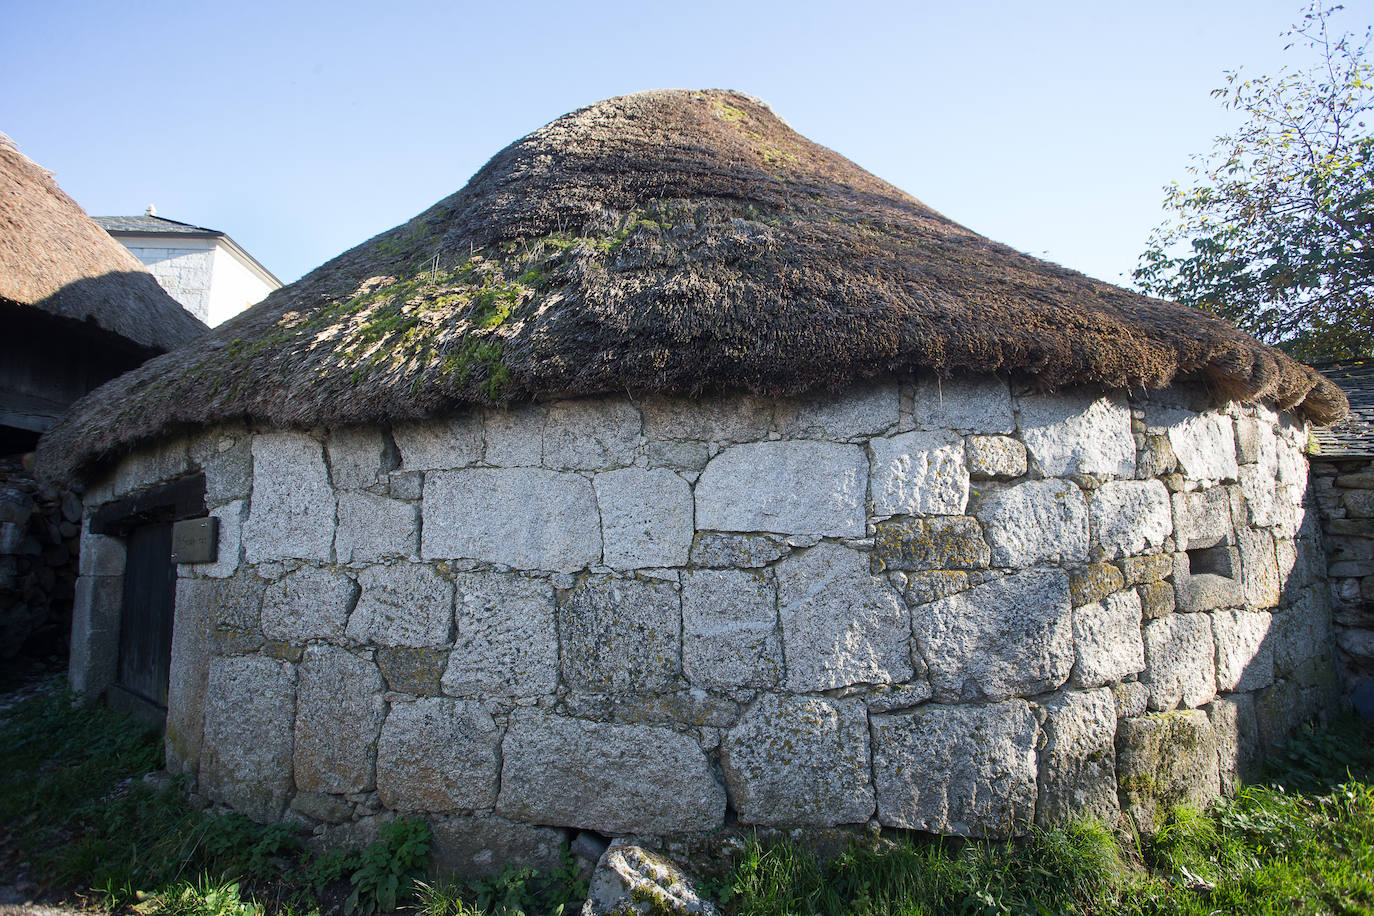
(55, 259)
(674, 242)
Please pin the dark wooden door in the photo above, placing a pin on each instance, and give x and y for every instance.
(145, 626)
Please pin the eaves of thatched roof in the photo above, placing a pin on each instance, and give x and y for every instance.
(55, 259)
(675, 242)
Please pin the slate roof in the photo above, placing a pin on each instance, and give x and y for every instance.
(1354, 436)
(144, 224)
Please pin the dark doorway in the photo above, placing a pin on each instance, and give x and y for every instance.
(144, 520)
(145, 626)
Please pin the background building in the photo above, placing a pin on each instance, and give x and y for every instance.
(203, 269)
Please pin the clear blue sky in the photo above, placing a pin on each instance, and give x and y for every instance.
(302, 129)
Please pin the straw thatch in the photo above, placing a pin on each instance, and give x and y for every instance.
(54, 258)
(668, 241)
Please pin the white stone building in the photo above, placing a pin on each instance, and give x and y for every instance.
(203, 269)
(676, 476)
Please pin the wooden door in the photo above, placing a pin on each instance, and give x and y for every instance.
(145, 626)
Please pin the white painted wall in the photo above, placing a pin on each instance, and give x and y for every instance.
(236, 286)
(185, 271)
(204, 275)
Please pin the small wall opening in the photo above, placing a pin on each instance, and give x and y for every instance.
(1212, 561)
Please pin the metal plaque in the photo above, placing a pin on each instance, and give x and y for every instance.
(195, 540)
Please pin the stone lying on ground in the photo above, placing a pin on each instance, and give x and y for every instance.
(631, 879)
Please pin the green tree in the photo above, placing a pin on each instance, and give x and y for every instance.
(1274, 232)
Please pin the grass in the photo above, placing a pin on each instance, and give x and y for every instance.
(76, 816)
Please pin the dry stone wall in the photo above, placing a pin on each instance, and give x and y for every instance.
(1345, 492)
(954, 607)
(39, 530)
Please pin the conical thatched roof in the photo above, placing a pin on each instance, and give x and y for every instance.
(54, 258)
(668, 241)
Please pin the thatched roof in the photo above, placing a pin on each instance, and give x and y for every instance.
(54, 258)
(668, 241)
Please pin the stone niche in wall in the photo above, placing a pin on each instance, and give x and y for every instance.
(955, 607)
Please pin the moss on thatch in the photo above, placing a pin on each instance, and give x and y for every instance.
(669, 241)
(54, 258)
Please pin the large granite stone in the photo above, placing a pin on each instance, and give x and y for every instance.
(375, 528)
(1205, 444)
(730, 635)
(918, 473)
(724, 418)
(439, 444)
(1128, 517)
(968, 404)
(1300, 633)
(1165, 760)
(102, 555)
(921, 544)
(507, 637)
(1259, 568)
(292, 510)
(738, 551)
(406, 604)
(339, 710)
(1179, 661)
(228, 467)
(467, 846)
(1078, 762)
(864, 410)
(151, 464)
(799, 761)
(1107, 641)
(233, 604)
(614, 779)
(1261, 493)
(413, 670)
(437, 754)
(591, 434)
(840, 624)
(799, 487)
(962, 770)
(1007, 637)
(1094, 582)
(1078, 433)
(188, 674)
(646, 518)
(522, 517)
(630, 880)
(246, 761)
(356, 456)
(1040, 521)
(1245, 654)
(621, 635)
(1236, 729)
(1202, 518)
(995, 456)
(229, 549)
(514, 436)
(310, 603)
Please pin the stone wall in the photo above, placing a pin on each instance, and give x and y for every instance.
(953, 607)
(1345, 491)
(39, 531)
